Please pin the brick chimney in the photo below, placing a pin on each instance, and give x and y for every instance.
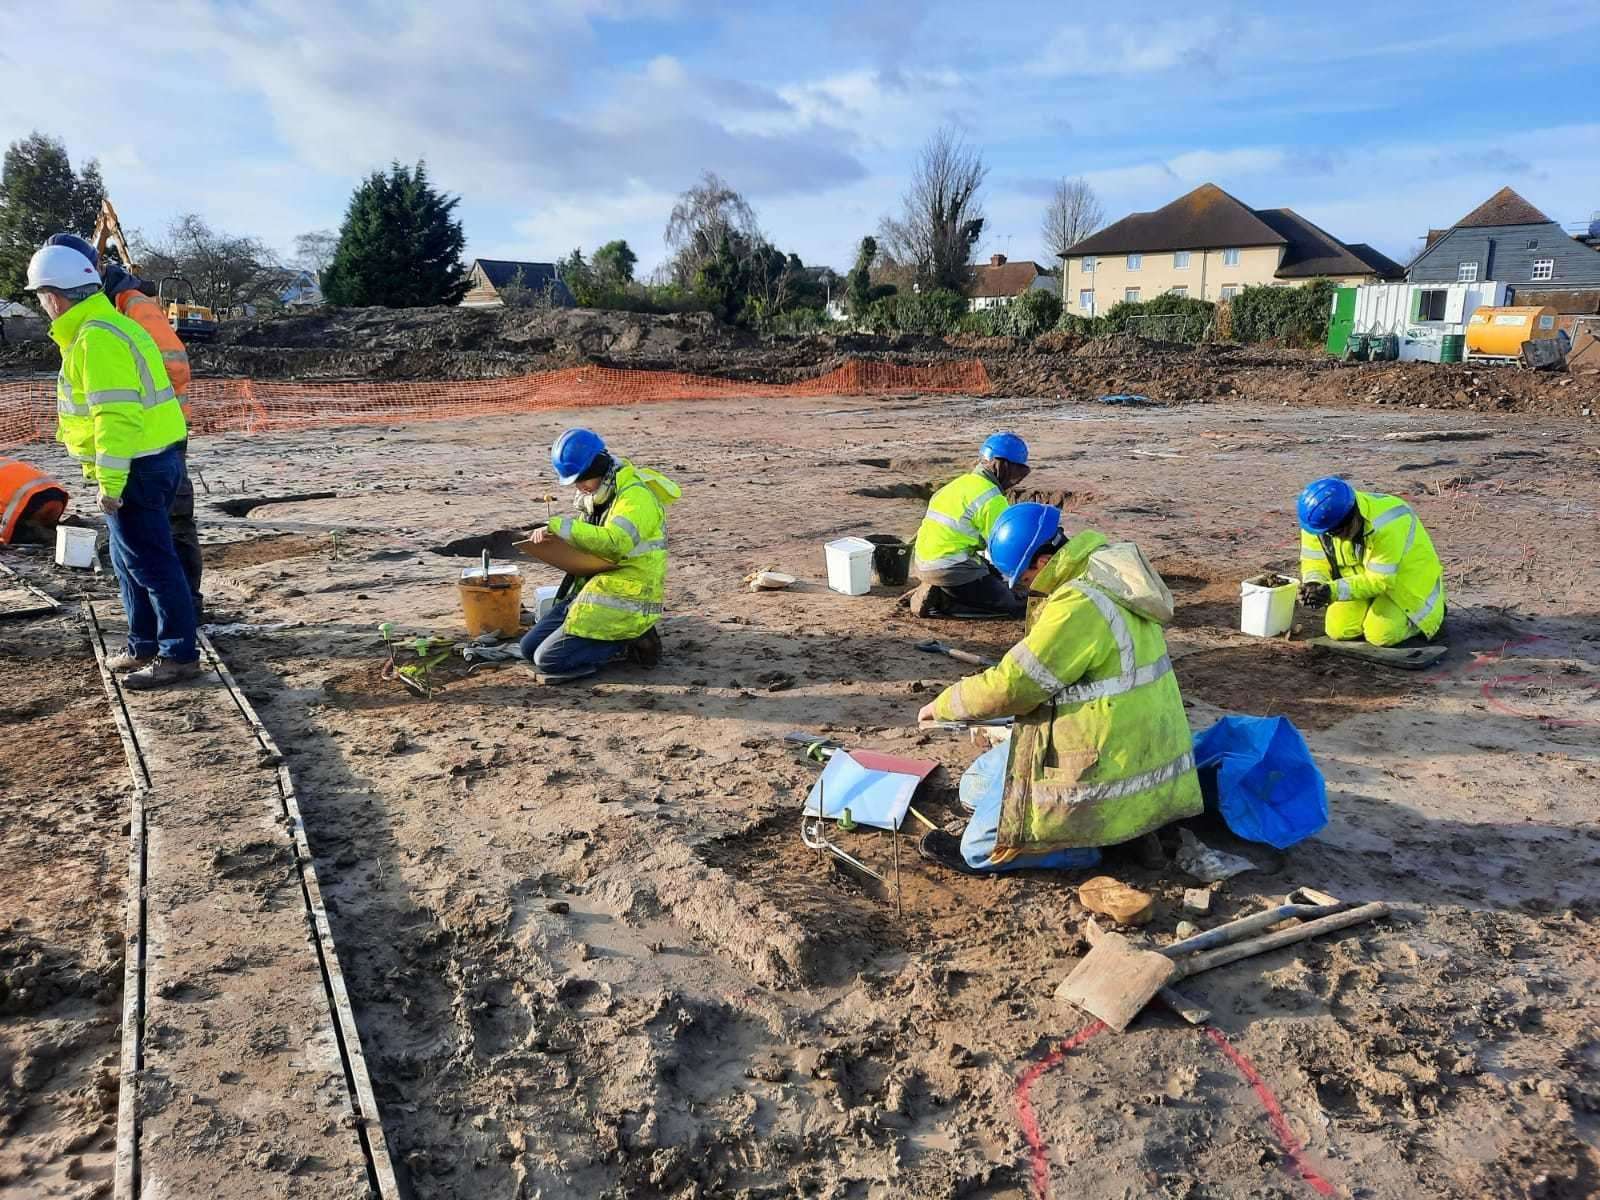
(997, 260)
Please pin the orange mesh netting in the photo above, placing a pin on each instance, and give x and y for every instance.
(28, 406)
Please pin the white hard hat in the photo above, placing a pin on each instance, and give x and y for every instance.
(60, 267)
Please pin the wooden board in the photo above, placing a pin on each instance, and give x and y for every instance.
(1404, 658)
(1115, 980)
(566, 558)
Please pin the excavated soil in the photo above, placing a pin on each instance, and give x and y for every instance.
(590, 957)
(63, 862)
(457, 343)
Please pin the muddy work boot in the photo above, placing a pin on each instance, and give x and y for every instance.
(939, 846)
(126, 661)
(645, 650)
(160, 673)
(926, 601)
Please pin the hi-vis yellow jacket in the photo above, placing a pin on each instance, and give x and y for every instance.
(1394, 557)
(1101, 751)
(114, 402)
(958, 522)
(619, 605)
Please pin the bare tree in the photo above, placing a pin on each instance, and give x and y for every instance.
(942, 214)
(314, 251)
(1073, 213)
(226, 271)
(703, 216)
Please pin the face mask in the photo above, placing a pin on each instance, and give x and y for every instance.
(588, 502)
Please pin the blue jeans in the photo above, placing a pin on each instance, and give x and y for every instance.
(555, 652)
(984, 783)
(155, 592)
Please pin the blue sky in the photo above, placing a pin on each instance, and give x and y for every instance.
(569, 122)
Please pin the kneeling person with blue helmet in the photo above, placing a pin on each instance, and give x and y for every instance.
(1369, 560)
(948, 559)
(622, 518)
(1101, 751)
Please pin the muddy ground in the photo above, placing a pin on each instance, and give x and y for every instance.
(590, 957)
(63, 867)
(456, 343)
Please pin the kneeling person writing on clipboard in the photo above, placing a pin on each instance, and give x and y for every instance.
(615, 555)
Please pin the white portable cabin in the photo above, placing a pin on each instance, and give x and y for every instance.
(1422, 313)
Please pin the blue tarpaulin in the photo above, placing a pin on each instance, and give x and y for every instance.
(1257, 772)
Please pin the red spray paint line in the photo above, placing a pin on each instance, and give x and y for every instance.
(1038, 1153)
(1291, 1144)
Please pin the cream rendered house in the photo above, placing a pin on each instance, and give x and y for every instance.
(1208, 245)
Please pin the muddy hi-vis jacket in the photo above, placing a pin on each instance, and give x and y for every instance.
(958, 522)
(1394, 557)
(114, 402)
(1101, 751)
(617, 605)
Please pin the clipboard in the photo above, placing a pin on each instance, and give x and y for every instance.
(565, 557)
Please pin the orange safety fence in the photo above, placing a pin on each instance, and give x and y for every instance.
(28, 406)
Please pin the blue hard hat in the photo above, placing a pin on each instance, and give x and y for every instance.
(1007, 446)
(1325, 504)
(73, 242)
(1017, 535)
(574, 452)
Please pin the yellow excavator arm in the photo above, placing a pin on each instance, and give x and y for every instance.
(108, 235)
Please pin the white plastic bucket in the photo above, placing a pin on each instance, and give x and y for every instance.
(75, 545)
(544, 599)
(1267, 611)
(849, 565)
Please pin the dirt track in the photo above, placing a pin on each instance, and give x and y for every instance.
(590, 957)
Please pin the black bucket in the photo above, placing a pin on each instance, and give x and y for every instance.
(891, 559)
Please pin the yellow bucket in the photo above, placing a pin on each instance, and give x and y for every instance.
(491, 602)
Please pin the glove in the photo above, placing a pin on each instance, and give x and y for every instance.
(1315, 594)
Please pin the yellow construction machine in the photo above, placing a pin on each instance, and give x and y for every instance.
(194, 322)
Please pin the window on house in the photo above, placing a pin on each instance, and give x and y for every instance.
(1229, 291)
(1430, 304)
(1088, 265)
(1181, 293)
(1135, 261)
(1543, 268)
(1230, 258)
(1533, 243)
(1131, 295)
(1086, 299)
(1180, 259)
(1467, 272)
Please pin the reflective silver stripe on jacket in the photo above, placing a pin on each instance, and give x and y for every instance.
(151, 397)
(627, 527)
(1310, 555)
(1118, 788)
(116, 396)
(1083, 692)
(957, 704)
(21, 497)
(955, 524)
(649, 547)
(1112, 612)
(115, 462)
(1131, 676)
(977, 503)
(1391, 516)
(620, 603)
(940, 564)
(1428, 605)
(1028, 663)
